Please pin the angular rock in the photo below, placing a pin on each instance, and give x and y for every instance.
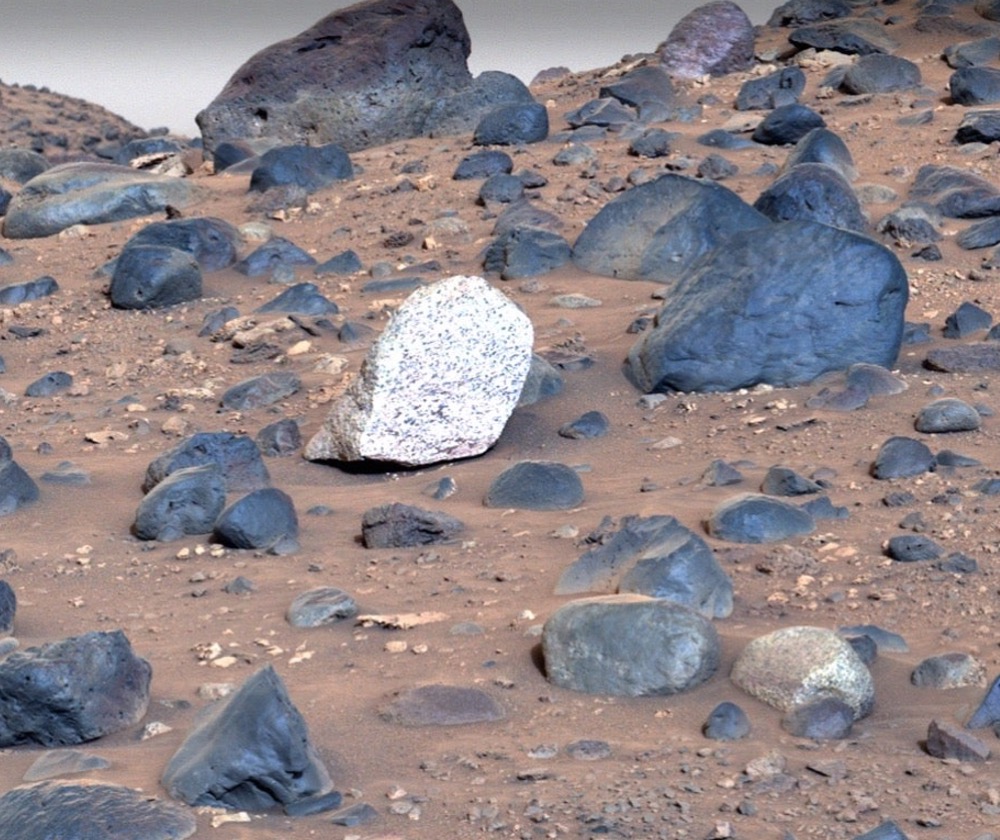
(727, 722)
(800, 12)
(968, 358)
(90, 194)
(813, 192)
(877, 73)
(526, 252)
(884, 639)
(972, 53)
(301, 299)
(783, 481)
(956, 193)
(279, 439)
(628, 645)
(72, 691)
(311, 167)
(712, 40)
(251, 752)
(721, 474)
(154, 276)
(188, 501)
(87, 810)
(17, 488)
(404, 526)
(273, 254)
(440, 382)
(15, 293)
(605, 112)
(536, 485)
(49, 385)
(902, 457)
(949, 670)
(263, 519)
(591, 424)
(652, 143)
(21, 165)
(887, 830)
(965, 320)
(794, 666)
(980, 235)
(824, 719)
(716, 168)
(442, 705)
(544, 380)
(260, 391)
(483, 164)
(501, 189)
(512, 125)
(856, 36)
(462, 111)
(947, 415)
(912, 224)
(660, 229)
(841, 301)
(782, 87)
(754, 518)
(212, 242)
(946, 740)
(320, 606)
(987, 713)
(236, 456)
(913, 548)
(347, 262)
(975, 86)
(787, 124)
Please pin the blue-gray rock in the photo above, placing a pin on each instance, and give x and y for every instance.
(956, 193)
(311, 167)
(72, 691)
(902, 457)
(865, 647)
(90, 193)
(825, 719)
(275, 253)
(912, 548)
(975, 86)
(958, 563)
(784, 481)
(237, 456)
(575, 154)
(915, 224)
(755, 518)
(21, 165)
(721, 474)
(719, 138)
(261, 391)
(967, 319)
(320, 606)
(251, 752)
(972, 53)
(301, 299)
(483, 164)
(212, 242)
(501, 188)
(726, 722)
(442, 705)
(228, 153)
(648, 89)
(404, 526)
(318, 804)
(948, 458)
(605, 112)
(544, 380)
(782, 87)
(216, 320)
(591, 424)
(511, 125)
(628, 645)
(823, 508)
(142, 146)
(346, 262)
(716, 168)
(660, 229)
(787, 124)
(352, 332)
(154, 276)
(982, 234)
(884, 639)
(823, 146)
(392, 285)
(887, 830)
(855, 36)
(88, 810)
(281, 438)
(526, 252)
(460, 112)
(800, 12)
(526, 214)
(536, 485)
(354, 815)
(54, 763)
(712, 40)
(813, 192)
(49, 385)
(987, 713)
(188, 501)
(8, 608)
(878, 73)
(263, 519)
(17, 488)
(947, 415)
(652, 143)
(945, 740)
(948, 670)
(15, 293)
(5, 257)
(841, 301)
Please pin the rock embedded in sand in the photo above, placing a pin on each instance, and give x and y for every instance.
(442, 705)
(902, 457)
(947, 415)
(798, 665)
(513, 125)
(309, 167)
(405, 526)
(188, 501)
(153, 277)
(787, 124)
(237, 457)
(212, 242)
(536, 485)
(439, 383)
(726, 722)
(320, 606)
(263, 519)
(17, 488)
(949, 670)
(756, 518)
(948, 741)
(16, 293)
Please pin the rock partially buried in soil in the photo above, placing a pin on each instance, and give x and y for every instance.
(263, 519)
(405, 526)
(442, 705)
(56, 763)
(628, 645)
(949, 670)
(17, 488)
(251, 752)
(188, 501)
(536, 485)
(439, 383)
(947, 741)
(319, 606)
(756, 518)
(902, 457)
(153, 277)
(947, 415)
(261, 391)
(88, 810)
(825, 719)
(727, 722)
(237, 457)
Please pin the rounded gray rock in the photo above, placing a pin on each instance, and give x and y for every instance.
(947, 415)
(756, 518)
(536, 485)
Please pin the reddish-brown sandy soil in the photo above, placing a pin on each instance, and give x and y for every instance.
(143, 379)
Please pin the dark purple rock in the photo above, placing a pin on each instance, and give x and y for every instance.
(405, 526)
(713, 40)
(21, 165)
(526, 252)
(947, 415)
(975, 86)
(260, 391)
(783, 481)
(8, 608)
(966, 358)
(823, 146)
(347, 262)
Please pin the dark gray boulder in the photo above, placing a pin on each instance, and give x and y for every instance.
(825, 719)
(21, 165)
(346, 262)
(261, 391)
(17, 488)
(822, 146)
(72, 691)
(787, 124)
(263, 519)
(237, 456)
(854, 36)
(188, 501)
(87, 810)
(982, 234)
(629, 645)
(648, 89)
(800, 12)
(212, 242)
(783, 481)
(461, 112)
(652, 143)
(660, 229)
(250, 752)
(727, 722)
(947, 415)
(90, 194)
(946, 740)
(54, 382)
(310, 167)
(972, 53)
(483, 164)
(902, 457)
(980, 126)
(301, 299)
(954, 192)
(755, 518)
(512, 125)
(782, 87)
(361, 77)
(825, 298)
(319, 606)
(404, 526)
(712, 40)
(273, 254)
(975, 86)
(536, 485)
(877, 73)
(526, 252)
(500, 189)
(912, 548)
(813, 192)
(154, 276)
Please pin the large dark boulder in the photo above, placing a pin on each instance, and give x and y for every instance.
(979, 126)
(72, 691)
(263, 519)
(212, 242)
(822, 146)
(154, 276)
(975, 86)
(360, 77)
(188, 501)
(712, 40)
(854, 36)
(237, 457)
(309, 167)
(800, 12)
(658, 230)
(250, 752)
(511, 125)
(878, 73)
(21, 165)
(780, 305)
(814, 192)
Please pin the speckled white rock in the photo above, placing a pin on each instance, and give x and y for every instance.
(798, 665)
(440, 382)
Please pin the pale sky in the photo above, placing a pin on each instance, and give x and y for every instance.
(159, 62)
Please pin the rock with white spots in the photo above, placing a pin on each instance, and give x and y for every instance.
(440, 383)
